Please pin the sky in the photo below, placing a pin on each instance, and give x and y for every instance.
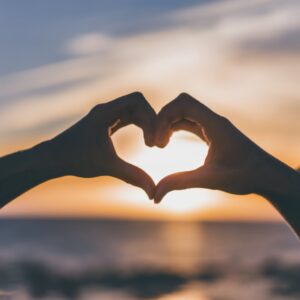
(60, 58)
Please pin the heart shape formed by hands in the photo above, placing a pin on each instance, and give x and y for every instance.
(232, 161)
(170, 119)
(184, 152)
(231, 156)
(233, 164)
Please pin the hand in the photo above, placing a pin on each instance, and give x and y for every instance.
(234, 163)
(86, 149)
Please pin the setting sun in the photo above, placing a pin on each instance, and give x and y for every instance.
(184, 152)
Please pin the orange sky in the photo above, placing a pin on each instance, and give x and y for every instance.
(239, 64)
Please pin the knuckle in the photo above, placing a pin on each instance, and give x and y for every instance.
(97, 109)
(138, 94)
(137, 101)
(178, 100)
(132, 99)
(184, 95)
(223, 120)
(185, 99)
(137, 97)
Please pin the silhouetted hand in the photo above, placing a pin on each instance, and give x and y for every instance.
(234, 163)
(84, 150)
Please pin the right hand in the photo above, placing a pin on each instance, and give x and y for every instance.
(234, 163)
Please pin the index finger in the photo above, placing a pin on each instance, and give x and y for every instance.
(132, 109)
(133, 175)
(183, 108)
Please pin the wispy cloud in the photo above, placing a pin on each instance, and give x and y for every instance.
(89, 44)
(213, 51)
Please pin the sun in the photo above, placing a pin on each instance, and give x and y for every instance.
(184, 152)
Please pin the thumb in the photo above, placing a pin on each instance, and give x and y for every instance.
(135, 176)
(181, 181)
(176, 181)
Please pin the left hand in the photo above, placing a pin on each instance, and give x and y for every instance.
(86, 149)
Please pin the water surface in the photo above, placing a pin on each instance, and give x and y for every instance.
(120, 260)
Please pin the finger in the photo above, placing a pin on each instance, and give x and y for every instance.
(118, 125)
(133, 109)
(177, 181)
(189, 126)
(184, 107)
(135, 176)
(186, 125)
(180, 181)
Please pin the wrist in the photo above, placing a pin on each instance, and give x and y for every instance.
(284, 193)
(26, 169)
(46, 159)
(279, 181)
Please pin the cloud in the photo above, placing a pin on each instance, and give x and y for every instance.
(52, 75)
(88, 44)
(249, 23)
(203, 50)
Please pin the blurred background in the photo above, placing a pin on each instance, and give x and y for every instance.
(100, 238)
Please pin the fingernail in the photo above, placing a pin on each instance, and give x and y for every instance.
(149, 142)
(160, 144)
(150, 193)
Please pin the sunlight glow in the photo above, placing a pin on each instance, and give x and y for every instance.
(183, 153)
(189, 293)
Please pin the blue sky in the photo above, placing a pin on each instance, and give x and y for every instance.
(33, 32)
(42, 38)
(64, 36)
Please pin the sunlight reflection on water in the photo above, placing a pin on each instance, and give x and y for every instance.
(120, 260)
(182, 245)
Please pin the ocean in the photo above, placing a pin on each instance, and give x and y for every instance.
(121, 260)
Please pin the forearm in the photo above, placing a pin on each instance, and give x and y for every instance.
(26, 169)
(284, 194)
